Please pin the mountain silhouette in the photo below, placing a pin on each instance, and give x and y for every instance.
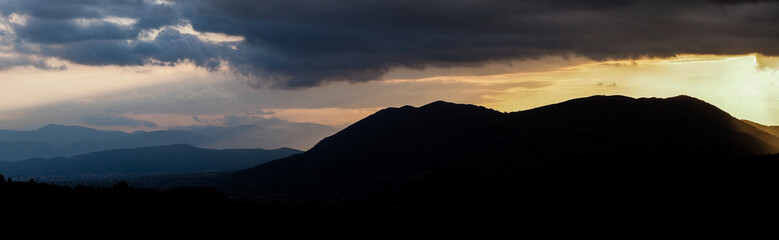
(59, 136)
(179, 158)
(444, 153)
(137, 140)
(17, 150)
(773, 130)
(65, 141)
(674, 126)
(49, 141)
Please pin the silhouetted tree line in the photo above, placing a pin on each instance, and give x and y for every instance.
(124, 204)
(33, 197)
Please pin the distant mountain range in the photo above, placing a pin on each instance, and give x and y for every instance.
(773, 130)
(179, 158)
(612, 147)
(65, 141)
(60, 136)
(593, 153)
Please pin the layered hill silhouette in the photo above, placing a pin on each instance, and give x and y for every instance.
(64, 141)
(773, 130)
(59, 136)
(444, 153)
(179, 158)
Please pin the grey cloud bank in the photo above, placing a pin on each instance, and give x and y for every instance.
(305, 43)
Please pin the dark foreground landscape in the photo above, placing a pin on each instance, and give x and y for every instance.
(605, 156)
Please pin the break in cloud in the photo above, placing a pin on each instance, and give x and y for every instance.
(303, 43)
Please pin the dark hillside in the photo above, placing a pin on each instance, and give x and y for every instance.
(444, 153)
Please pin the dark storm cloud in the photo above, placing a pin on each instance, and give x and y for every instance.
(316, 41)
(52, 31)
(115, 120)
(63, 27)
(168, 48)
(149, 15)
(8, 62)
(301, 43)
(89, 32)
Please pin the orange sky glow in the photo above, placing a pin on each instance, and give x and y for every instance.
(743, 85)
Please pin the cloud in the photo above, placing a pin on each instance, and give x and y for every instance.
(201, 121)
(57, 32)
(115, 120)
(601, 84)
(233, 120)
(304, 43)
(313, 42)
(764, 62)
(9, 62)
(169, 47)
(265, 112)
(101, 32)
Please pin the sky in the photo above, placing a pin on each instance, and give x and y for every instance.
(167, 64)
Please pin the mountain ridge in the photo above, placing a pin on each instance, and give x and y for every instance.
(177, 158)
(65, 141)
(443, 150)
(773, 130)
(59, 135)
